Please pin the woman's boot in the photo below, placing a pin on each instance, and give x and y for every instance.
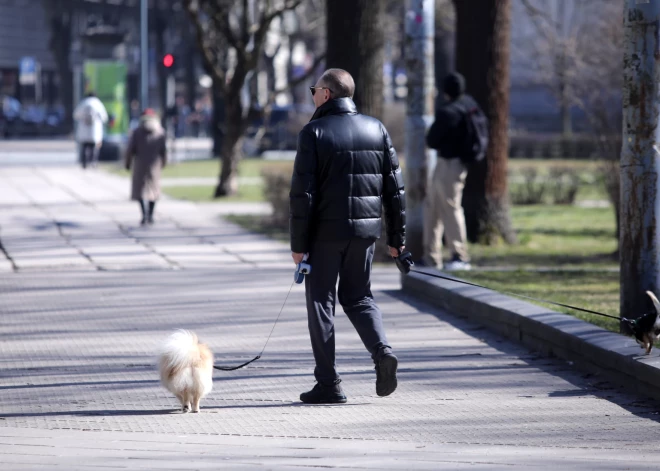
(143, 208)
(150, 217)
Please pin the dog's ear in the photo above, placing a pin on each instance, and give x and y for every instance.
(656, 303)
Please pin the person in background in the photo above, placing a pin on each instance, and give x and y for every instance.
(443, 206)
(146, 153)
(90, 117)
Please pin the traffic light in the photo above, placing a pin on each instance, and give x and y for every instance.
(168, 60)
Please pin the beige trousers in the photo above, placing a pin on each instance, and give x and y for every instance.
(443, 212)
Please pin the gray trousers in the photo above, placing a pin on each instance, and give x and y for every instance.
(351, 262)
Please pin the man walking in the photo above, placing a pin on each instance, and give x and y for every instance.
(458, 135)
(345, 172)
(90, 116)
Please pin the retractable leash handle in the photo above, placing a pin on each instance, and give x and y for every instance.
(302, 269)
(404, 262)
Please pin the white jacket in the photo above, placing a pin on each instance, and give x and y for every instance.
(90, 116)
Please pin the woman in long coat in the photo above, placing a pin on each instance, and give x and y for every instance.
(147, 153)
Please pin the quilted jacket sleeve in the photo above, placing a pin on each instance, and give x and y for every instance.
(394, 198)
(302, 197)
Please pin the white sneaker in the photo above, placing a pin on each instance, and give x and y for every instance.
(457, 265)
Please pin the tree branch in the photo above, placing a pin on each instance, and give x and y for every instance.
(300, 79)
(246, 23)
(220, 16)
(209, 58)
(269, 16)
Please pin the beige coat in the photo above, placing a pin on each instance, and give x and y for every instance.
(147, 153)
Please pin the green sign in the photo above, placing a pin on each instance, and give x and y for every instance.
(108, 80)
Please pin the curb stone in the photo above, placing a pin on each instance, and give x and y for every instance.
(591, 348)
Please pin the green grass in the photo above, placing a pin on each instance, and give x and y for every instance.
(555, 236)
(207, 168)
(204, 193)
(594, 290)
(582, 165)
(259, 225)
(588, 190)
(577, 243)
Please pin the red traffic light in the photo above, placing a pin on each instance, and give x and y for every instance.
(168, 60)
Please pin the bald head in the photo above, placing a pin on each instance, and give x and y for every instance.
(339, 81)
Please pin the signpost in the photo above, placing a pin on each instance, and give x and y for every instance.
(29, 79)
(419, 116)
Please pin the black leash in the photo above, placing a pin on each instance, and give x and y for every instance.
(232, 368)
(404, 262)
(433, 275)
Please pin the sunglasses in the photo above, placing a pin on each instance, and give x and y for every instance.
(313, 89)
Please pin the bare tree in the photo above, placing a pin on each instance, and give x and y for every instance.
(599, 91)
(585, 72)
(482, 55)
(558, 33)
(230, 37)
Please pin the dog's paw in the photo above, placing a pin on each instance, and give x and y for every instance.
(185, 409)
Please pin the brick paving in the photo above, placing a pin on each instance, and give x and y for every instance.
(86, 295)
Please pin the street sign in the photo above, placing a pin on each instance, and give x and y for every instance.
(27, 71)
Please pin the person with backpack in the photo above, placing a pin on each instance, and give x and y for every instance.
(460, 135)
(90, 116)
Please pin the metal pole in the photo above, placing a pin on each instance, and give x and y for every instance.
(419, 116)
(640, 157)
(144, 54)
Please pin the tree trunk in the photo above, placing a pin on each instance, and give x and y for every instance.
(369, 88)
(355, 42)
(60, 46)
(444, 45)
(482, 55)
(218, 122)
(234, 125)
(231, 146)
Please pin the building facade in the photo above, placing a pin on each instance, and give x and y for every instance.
(24, 33)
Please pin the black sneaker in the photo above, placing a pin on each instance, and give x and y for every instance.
(321, 394)
(386, 375)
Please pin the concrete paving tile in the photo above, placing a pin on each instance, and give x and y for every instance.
(80, 388)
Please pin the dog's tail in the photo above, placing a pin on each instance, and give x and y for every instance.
(180, 349)
(656, 303)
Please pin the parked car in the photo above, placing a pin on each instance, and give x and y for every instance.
(10, 116)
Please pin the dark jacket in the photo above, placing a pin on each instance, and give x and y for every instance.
(346, 170)
(448, 131)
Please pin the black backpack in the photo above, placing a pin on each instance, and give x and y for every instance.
(476, 134)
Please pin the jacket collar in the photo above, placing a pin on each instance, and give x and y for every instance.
(335, 106)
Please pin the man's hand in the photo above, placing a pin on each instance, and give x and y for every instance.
(394, 253)
(297, 257)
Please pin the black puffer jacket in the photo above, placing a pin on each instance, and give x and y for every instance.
(346, 171)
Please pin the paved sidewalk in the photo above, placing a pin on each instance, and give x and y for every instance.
(87, 296)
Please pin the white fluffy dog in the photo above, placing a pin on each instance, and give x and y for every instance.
(186, 368)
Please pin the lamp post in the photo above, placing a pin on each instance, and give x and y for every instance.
(144, 54)
(419, 115)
